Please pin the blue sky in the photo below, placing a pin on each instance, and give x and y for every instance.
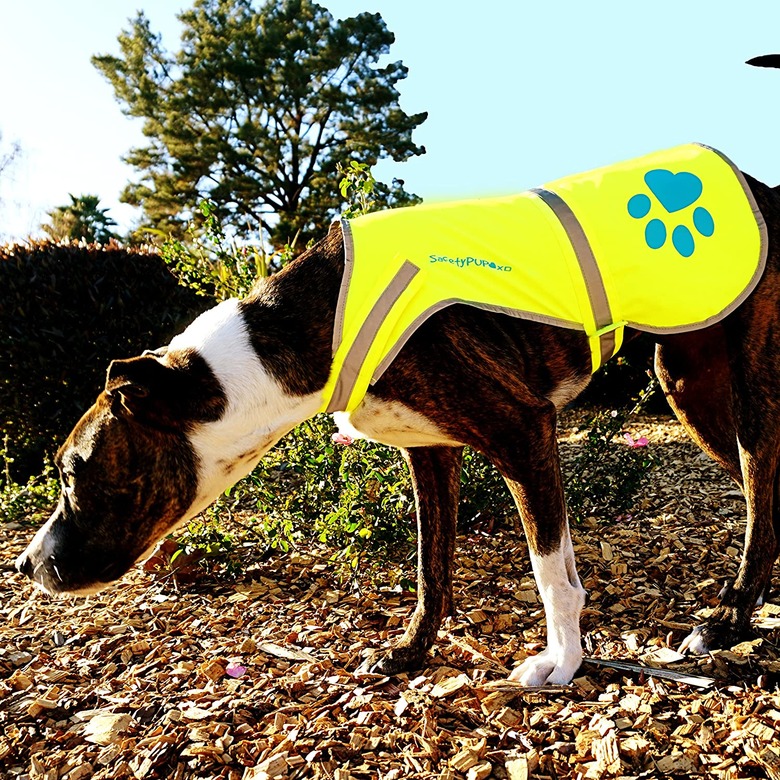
(518, 93)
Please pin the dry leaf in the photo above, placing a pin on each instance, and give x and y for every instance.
(449, 686)
(107, 728)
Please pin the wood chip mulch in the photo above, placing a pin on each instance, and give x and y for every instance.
(254, 679)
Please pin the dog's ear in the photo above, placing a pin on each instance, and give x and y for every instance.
(146, 389)
(765, 61)
(142, 386)
(136, 378)
(164, 394)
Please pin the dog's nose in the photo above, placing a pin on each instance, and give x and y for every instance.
(24, 565)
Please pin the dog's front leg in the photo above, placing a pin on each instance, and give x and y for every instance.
(563, 597)
(436, 480)
(531, 468)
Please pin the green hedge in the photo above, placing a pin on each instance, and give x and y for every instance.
(66, 311)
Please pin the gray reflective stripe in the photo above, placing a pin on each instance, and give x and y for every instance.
(349, 264)
(594, 283)
(607, 344)
(358, 351)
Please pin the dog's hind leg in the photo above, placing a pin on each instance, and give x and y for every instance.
(730, 621)
(730, 414)
(436, 481)
(694, 374)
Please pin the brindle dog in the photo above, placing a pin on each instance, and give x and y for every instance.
(173, 429)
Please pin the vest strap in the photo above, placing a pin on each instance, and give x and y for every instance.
(594, 282)
(358, 351)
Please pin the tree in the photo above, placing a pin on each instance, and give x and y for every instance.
(82, 219)
(256, 111)
(8, 158)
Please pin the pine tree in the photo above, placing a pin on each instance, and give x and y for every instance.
(256, 111)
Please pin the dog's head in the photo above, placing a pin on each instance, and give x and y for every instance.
(169, 433)
(128, 472)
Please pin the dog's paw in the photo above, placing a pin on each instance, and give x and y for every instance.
(392, 661)
(672, 194)
(547, 668)
(714, 635)
(695, 643)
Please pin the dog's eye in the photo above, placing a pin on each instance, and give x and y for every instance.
(68, 482)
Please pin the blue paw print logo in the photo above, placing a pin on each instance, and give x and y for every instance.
(676, 192)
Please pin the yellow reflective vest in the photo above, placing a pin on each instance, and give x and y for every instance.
(665, 243)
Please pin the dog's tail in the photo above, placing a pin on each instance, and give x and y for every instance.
(765, 61)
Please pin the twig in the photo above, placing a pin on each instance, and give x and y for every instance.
(652, 671)
(287, 653)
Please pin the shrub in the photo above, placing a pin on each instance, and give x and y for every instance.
(29, 502)
(66, 311)
(354, 499)
(214, 265)
(610, 466)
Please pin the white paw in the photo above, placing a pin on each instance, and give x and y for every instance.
(694, 643)
(547, 668)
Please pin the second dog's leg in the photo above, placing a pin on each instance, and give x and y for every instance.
(436, 480)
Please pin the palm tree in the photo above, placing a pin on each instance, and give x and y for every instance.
(82, 219)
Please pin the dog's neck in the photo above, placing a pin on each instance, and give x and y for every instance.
(271, 354)
(290, 317)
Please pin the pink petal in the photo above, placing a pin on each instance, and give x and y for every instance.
(235, 670)
(342, 438)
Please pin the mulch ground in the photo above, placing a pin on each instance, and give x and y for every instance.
(254, 678)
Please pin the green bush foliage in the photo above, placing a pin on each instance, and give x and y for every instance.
(215, 266)
(66, 311)
(31, 501)
(610, 466)
(353, 499)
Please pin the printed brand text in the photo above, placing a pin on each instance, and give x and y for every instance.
(465, 262)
